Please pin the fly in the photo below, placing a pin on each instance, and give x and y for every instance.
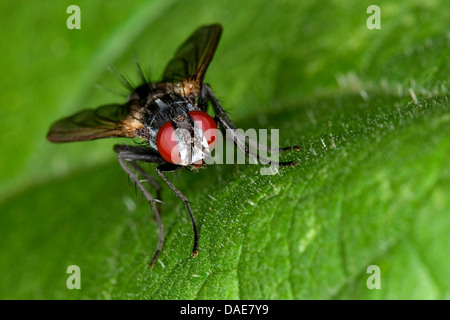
(171, 117)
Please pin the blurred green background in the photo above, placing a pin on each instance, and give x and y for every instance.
(370, 109)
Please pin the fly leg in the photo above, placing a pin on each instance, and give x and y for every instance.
(239, 139)
(130, 155)
(166, 167)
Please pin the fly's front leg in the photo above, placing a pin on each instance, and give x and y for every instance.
(239, 139)
(152, 180)
(130, 155)
(171, 167)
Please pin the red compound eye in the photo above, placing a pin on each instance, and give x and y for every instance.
(166, 141)
(207, 124)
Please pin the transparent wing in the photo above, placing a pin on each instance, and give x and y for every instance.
(193, 57)
(103, 122)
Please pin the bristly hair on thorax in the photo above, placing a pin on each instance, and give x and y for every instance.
(155, 103)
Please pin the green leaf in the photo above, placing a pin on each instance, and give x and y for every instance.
(370, 109)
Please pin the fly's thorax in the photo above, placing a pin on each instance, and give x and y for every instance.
(160, 110)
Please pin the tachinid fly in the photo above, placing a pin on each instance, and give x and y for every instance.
(158, 113)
